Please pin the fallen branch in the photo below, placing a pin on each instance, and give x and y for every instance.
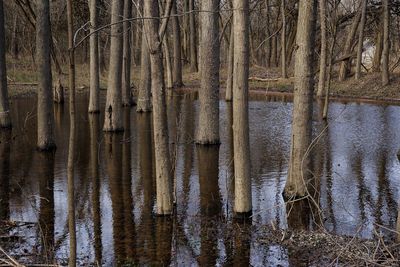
(263, 79)
(24, 83)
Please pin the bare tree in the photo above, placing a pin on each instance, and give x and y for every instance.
(144, 101)
(283, 41)
(113, 113)
(229, 79)
(126, 62)
(348, 47)
(162, 156)
(177, 69)
(386, 42)
(45, 95)
(303, 101)
(241, 139)
(192, 36)
(5, 118)
(361, 39)
(94, 91)
(208, 130)
(324, 47)
(72, 138)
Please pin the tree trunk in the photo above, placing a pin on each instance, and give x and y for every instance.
(283, 41)
(126, 62)
(376, 64)
(5, 118)
(345, 65)
(361, 39)
(274, 49)
(324, 45)
(208, 130)
(268, 43)
(386, 42)
(14, 39)
(229, 80)
(177, 70)
(241, 142)
(45, 118)
(94, 91)
(299, 165)
(162, 157)
(168, 64)
(72, 138)
(144, 101)
(192, 36)
(113, 112)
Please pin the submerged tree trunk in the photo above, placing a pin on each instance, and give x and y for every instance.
(241, 142)
(208, 130)
(144, 101)
(361, 39)
(229, 80)
(5, 118)
(161, 142)
(126, 62)
(45, 96)
(192, 36)
(113, 112)
(5, 152)
(345, 65)
(283, 41)
(324, 45)
(177, 70)
(386, 42)
(94, 91)
(299, 166)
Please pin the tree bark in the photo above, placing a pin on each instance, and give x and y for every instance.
(162, 157)
(268, 43)
(345, 65)
(324, 45)
(5, 118)
(94, 91)
(113, 112)
(177, 69)
(283, 41)
(229, 80)
(208, 130)
(192, 37)
(299, 165)
(126, 62)
(45, 118)
(386, 42)
(168, 64)
(144, 101)
(361, 39)
(376, 64)
(241, 142)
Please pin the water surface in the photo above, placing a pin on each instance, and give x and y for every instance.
(356, 170)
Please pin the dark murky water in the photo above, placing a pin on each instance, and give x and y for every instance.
(355, 163)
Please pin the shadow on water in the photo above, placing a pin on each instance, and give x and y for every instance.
(355, 185)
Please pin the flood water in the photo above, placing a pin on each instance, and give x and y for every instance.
(355, 165)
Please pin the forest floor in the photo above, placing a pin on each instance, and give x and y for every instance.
(22, 80)
(320, 248)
